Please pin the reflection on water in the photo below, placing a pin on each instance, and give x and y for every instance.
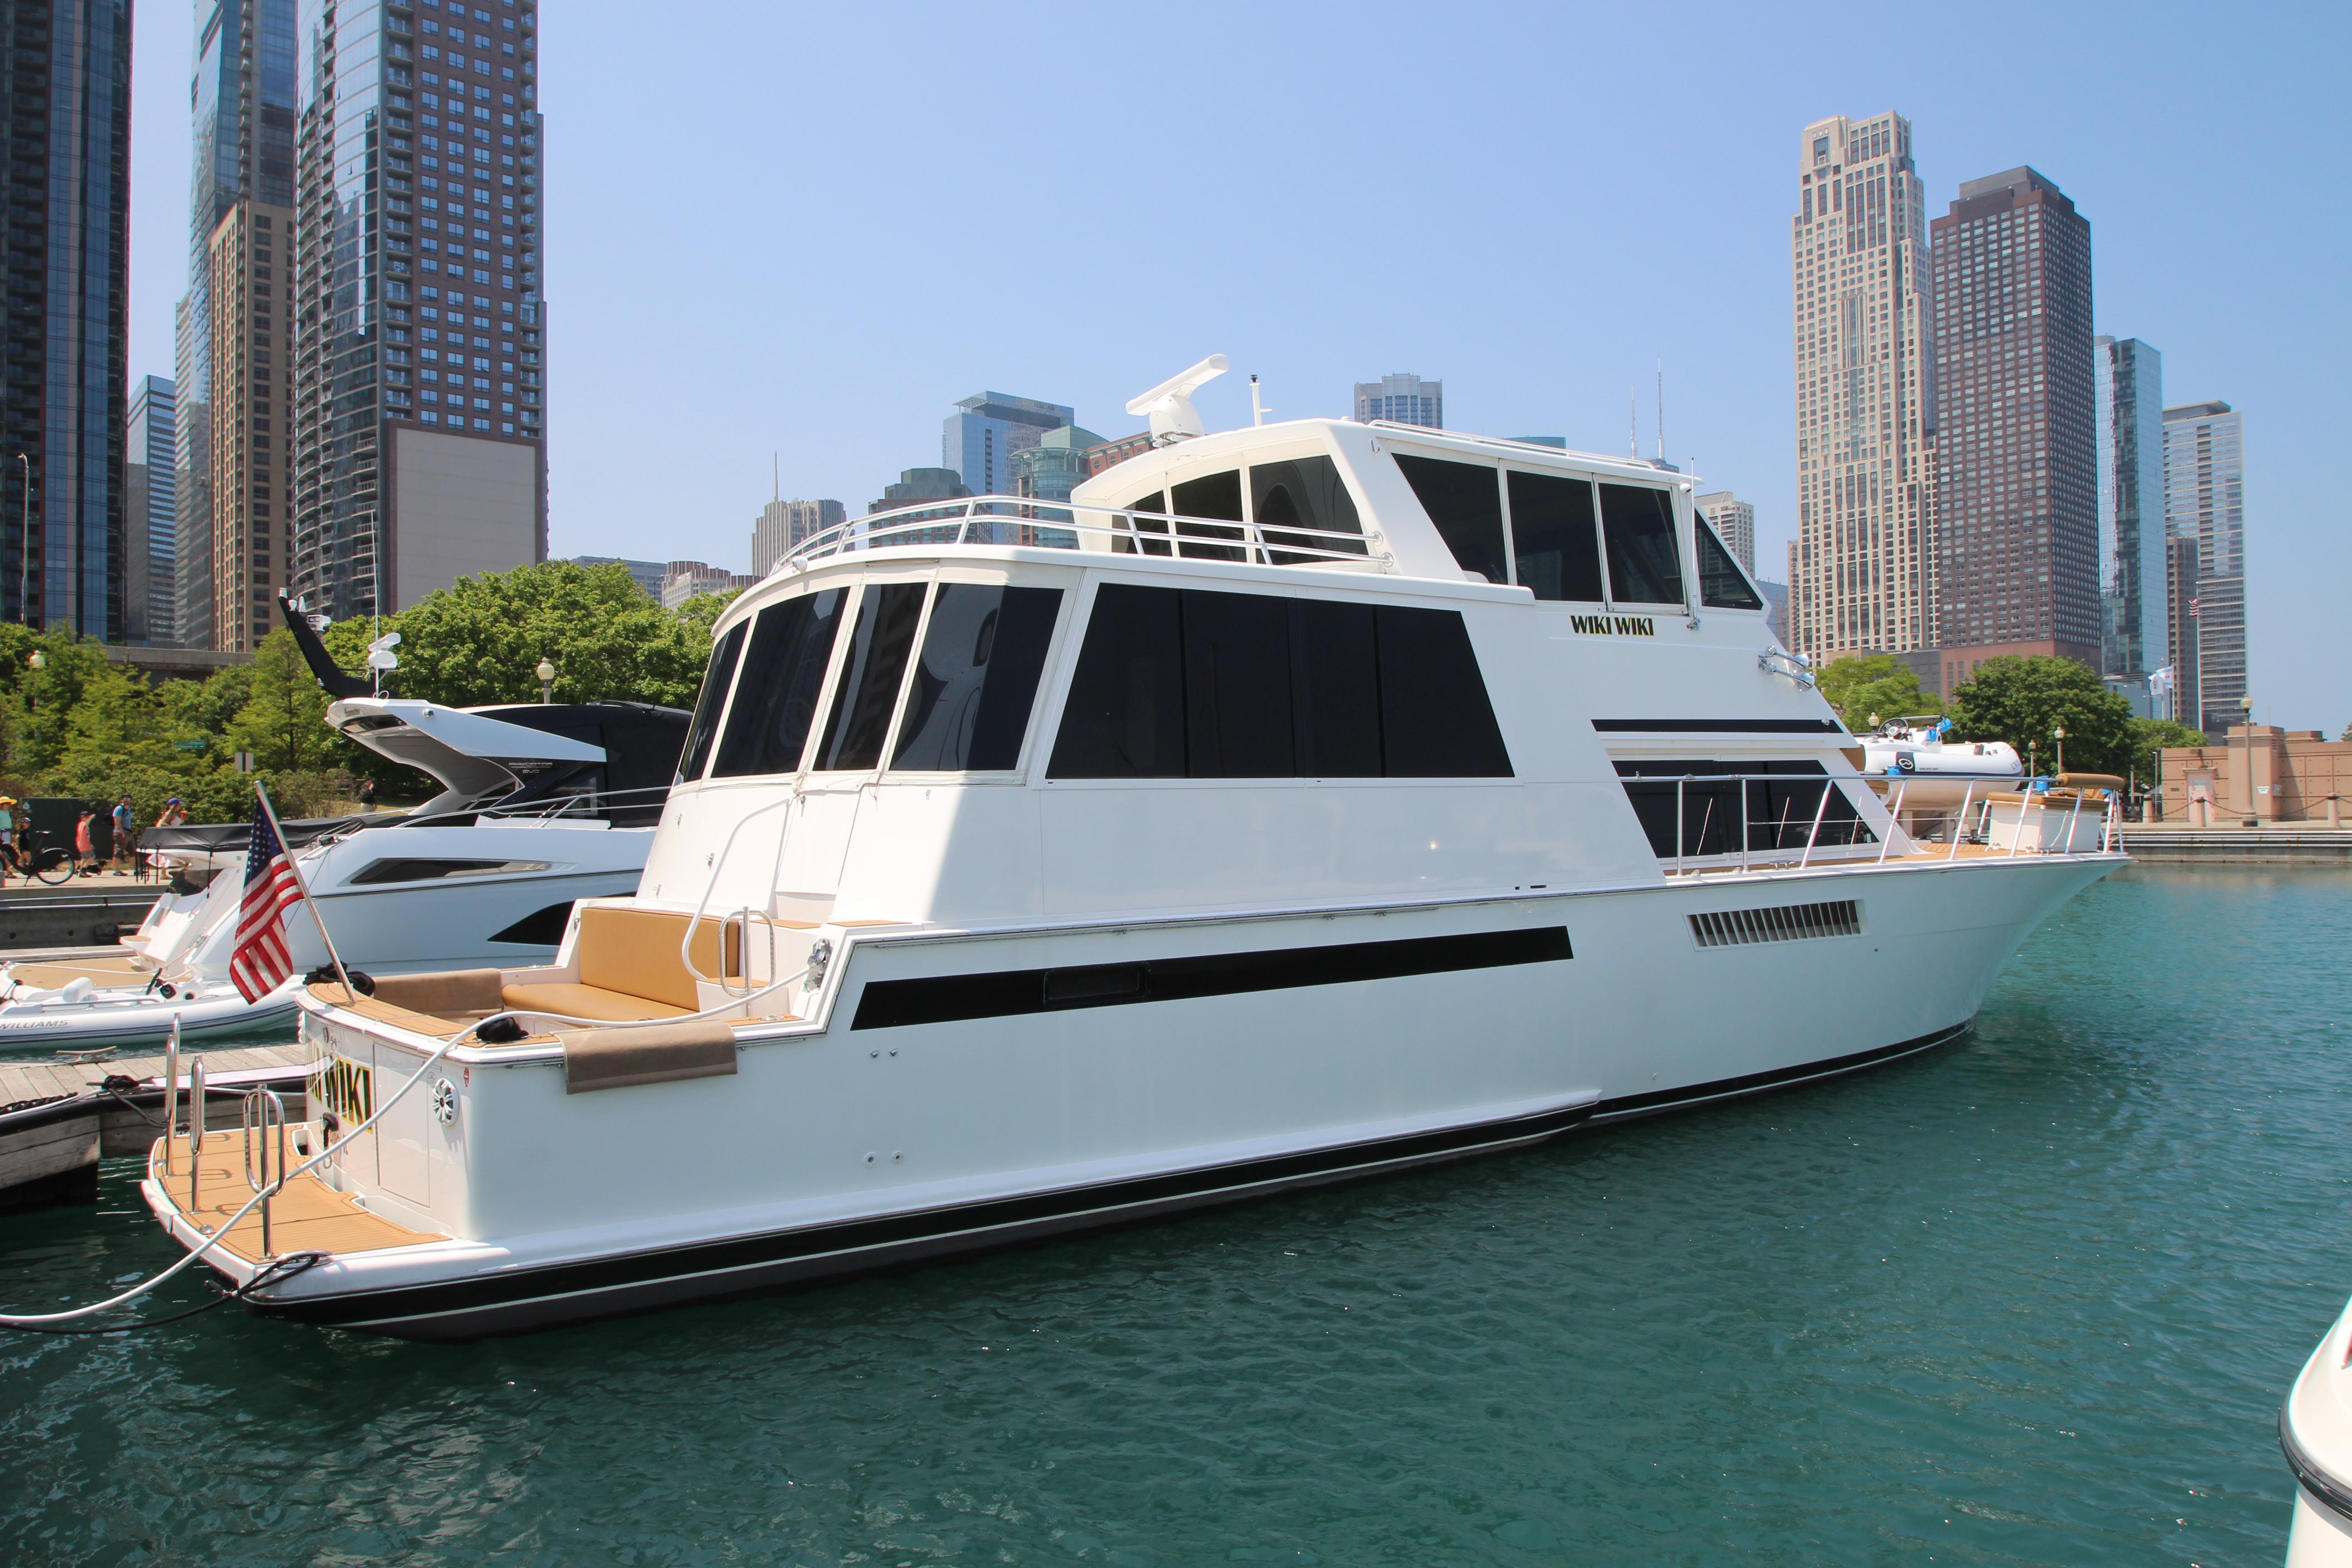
(2034, 1298)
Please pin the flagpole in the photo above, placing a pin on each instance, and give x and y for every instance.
(303, 888)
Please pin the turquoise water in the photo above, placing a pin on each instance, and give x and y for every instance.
(2033, 1299)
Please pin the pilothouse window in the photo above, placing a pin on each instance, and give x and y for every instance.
(1553, 537)
(1305, 493)
(1721, 585)
(868, 687)
(1644, 567)
(1465, 502)
(706, 707)
(1183, 683)
(783, 676)
(1210, 495)
(976, 679)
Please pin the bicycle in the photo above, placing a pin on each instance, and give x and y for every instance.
(52, 864)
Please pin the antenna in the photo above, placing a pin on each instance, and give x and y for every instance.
(1170, 404)
(1258, 411)
(1632, 422)
(1662, 411)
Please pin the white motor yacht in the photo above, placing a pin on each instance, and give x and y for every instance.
(2316, 1433)
(541, 805)
(1300, 802)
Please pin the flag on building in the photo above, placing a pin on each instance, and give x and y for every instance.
(262, 961)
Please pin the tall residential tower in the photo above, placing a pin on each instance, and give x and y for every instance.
(1862, 570)
(234, 327)
(2127, 416)
(2017, 472)
(149, 516)
(2205, 503)
(1403, 399)
(65, 155)
(420, 442)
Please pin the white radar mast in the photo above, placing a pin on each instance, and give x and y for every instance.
(1170, 404)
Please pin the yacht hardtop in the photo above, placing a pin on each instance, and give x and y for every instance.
(1296, 803)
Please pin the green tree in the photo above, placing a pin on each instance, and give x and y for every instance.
(1862, 684)
(480, 639)
(39, 704)
(2150, 736)
(2023, 701)
(283, 721)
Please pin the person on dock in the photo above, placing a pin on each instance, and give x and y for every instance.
(7, 836)
(85, 848)
(126, 834)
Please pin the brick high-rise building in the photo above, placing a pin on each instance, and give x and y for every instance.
(235, 362)
(781, 524)
(2205, 502)
(420, 436)
(1862, 570)
(65, 152)
(2017, 469)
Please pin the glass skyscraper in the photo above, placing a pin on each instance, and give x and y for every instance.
(63, 282)
(2205, 500)
(978, 440)
(2127, 404)
(150, 521)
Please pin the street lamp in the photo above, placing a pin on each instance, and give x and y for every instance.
(2246, 712)
(2058, 731)
(39, 661)
(546, 673)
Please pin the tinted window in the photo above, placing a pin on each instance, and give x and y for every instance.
(1155, 500)
(1552, 537)
(1465, 502)
(977, 677)
(1721, 583)
(1237, 686)
(1777, 815)
(783, 676)
(1435, 722)
(1644, 567)
(1307, 493)
(707, 706)
(868, 687)
(1210, 495)
(1125, 716)
(1174, 683)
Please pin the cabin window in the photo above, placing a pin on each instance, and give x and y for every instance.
(1182, 683)
(976, 679)
(1211, 495)
(1644, 567)
(783, 679)
(1720, 815)
(1155, 500)
(1553, 540)
(1305, 493)
(1721, 583)
(713, 698)
(868, 687)
(1465, 502)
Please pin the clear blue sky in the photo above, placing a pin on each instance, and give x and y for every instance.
(807, 230)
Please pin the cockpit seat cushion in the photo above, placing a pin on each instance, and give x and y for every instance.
(566, 1000)
(449, 992)
(623, 1058)
(634, 952)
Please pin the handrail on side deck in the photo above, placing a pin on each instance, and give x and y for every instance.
(1191, 538)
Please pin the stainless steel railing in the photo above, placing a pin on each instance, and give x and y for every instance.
(1048, 525)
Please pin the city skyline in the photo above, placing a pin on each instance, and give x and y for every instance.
(852, 351)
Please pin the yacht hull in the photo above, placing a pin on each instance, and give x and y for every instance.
(1260, 1054)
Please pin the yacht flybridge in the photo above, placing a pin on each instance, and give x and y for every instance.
(1297, 803)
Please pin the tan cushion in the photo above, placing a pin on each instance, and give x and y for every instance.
(100, 971)
(446, 992)
(589, 1002)
(634, 951)
(621, 1059)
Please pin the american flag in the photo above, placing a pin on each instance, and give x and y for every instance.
(261, 962)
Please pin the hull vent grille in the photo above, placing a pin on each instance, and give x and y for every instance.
(1787, 922)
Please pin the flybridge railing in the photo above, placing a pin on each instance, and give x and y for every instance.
(1042, 525)
(1778, 820)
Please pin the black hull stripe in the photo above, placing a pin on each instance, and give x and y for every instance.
(1011, 993)
(1719, 726)
(521, 1299)
(2315, 1480)
(963, 1228)
(1757, 1082)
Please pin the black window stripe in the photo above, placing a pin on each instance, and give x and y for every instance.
(1721, 726)
(948, 998)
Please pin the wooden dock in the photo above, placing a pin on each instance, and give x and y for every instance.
(61, 1119)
